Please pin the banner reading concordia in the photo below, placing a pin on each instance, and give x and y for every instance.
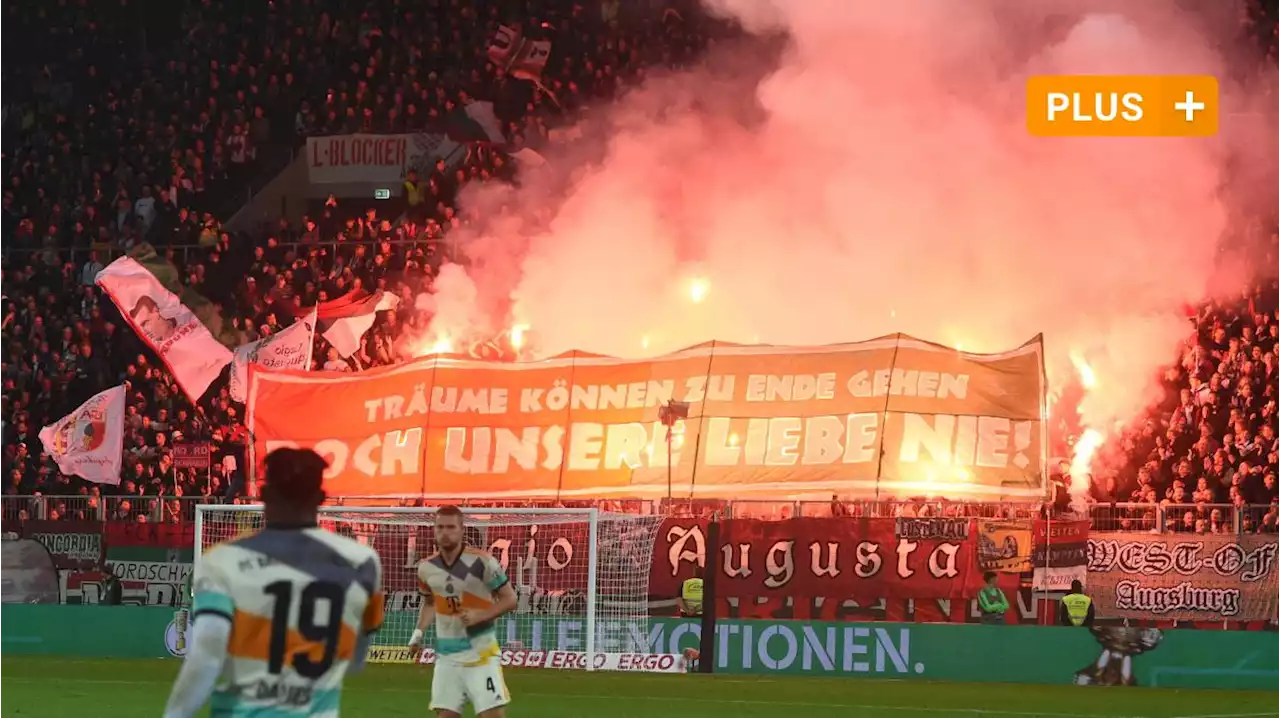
(891, 416)
(1190, 577)
(72, 544)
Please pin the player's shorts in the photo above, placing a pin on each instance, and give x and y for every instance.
(453, 685)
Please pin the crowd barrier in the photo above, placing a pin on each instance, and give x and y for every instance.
(1171, 658)
(186, 254)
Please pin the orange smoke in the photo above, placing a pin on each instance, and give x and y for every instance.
(874, 175)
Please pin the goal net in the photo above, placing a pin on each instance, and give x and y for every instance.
(581, 577)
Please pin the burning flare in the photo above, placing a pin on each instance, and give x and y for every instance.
(698, 288)
(1086, 447)
(1088, 379)
(517, 336)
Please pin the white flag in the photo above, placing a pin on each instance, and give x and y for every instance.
(529, 158)
(185, 345)
(89, 442)
(482, 113)
(347, 318)
(289, 348)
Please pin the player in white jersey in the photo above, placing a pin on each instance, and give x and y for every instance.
(280, 617)
(465, 590)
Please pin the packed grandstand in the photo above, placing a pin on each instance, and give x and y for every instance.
(166, 120)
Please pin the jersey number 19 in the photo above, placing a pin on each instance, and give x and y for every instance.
(325, 633)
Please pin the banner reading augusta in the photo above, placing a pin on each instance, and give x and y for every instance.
(817, 557)
(891, 416)
(1191, 577)
(794, 561)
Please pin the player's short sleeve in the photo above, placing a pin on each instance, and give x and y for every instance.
(494, 577)
(424, 588)
(373, 611)
(211, 587)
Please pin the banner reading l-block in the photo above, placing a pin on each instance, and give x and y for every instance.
(893, 416)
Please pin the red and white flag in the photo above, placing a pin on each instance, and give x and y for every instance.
(290, 348)
(503, 46)
(345, 320)
(172, 330)
(531, 60)
(89, 442)
(522, 57)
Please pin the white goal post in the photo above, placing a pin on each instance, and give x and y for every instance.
(581, 577)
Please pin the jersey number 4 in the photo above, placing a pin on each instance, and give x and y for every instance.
(319, 597)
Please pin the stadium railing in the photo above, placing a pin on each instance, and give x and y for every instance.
(1169, 518)
(150, 509)
(760, 509)
(185, 254)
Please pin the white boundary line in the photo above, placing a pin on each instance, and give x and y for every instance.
(1271, 714)
(711, 701)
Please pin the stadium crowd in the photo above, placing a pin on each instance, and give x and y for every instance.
(158, 125)
(161, 121)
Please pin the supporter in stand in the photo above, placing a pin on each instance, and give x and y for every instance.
(1212, 444)
(158, 123)
(1213, 441)
(162, 119)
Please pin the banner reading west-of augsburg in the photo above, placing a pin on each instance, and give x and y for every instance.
(1193, 577)
(893, 416)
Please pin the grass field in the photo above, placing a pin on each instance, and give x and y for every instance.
(61, 688)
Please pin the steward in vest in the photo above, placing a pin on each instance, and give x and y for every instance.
(690, 600)
(1076, 608)
(412, 192)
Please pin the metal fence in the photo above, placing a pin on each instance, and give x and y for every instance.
(1155, 518)
(141, 509)
(188, 254)
(777, 510)
(1184, 518)
(172, 509)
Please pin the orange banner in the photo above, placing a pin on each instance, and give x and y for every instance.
(893, 416)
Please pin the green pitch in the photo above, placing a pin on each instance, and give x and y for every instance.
(63, 688)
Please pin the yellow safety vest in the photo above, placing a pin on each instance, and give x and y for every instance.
(691, 592)
(411, 193)
(1077, 607)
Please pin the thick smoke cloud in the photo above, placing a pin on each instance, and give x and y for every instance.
(877, 178)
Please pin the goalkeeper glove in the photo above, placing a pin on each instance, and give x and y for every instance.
(416, 638)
